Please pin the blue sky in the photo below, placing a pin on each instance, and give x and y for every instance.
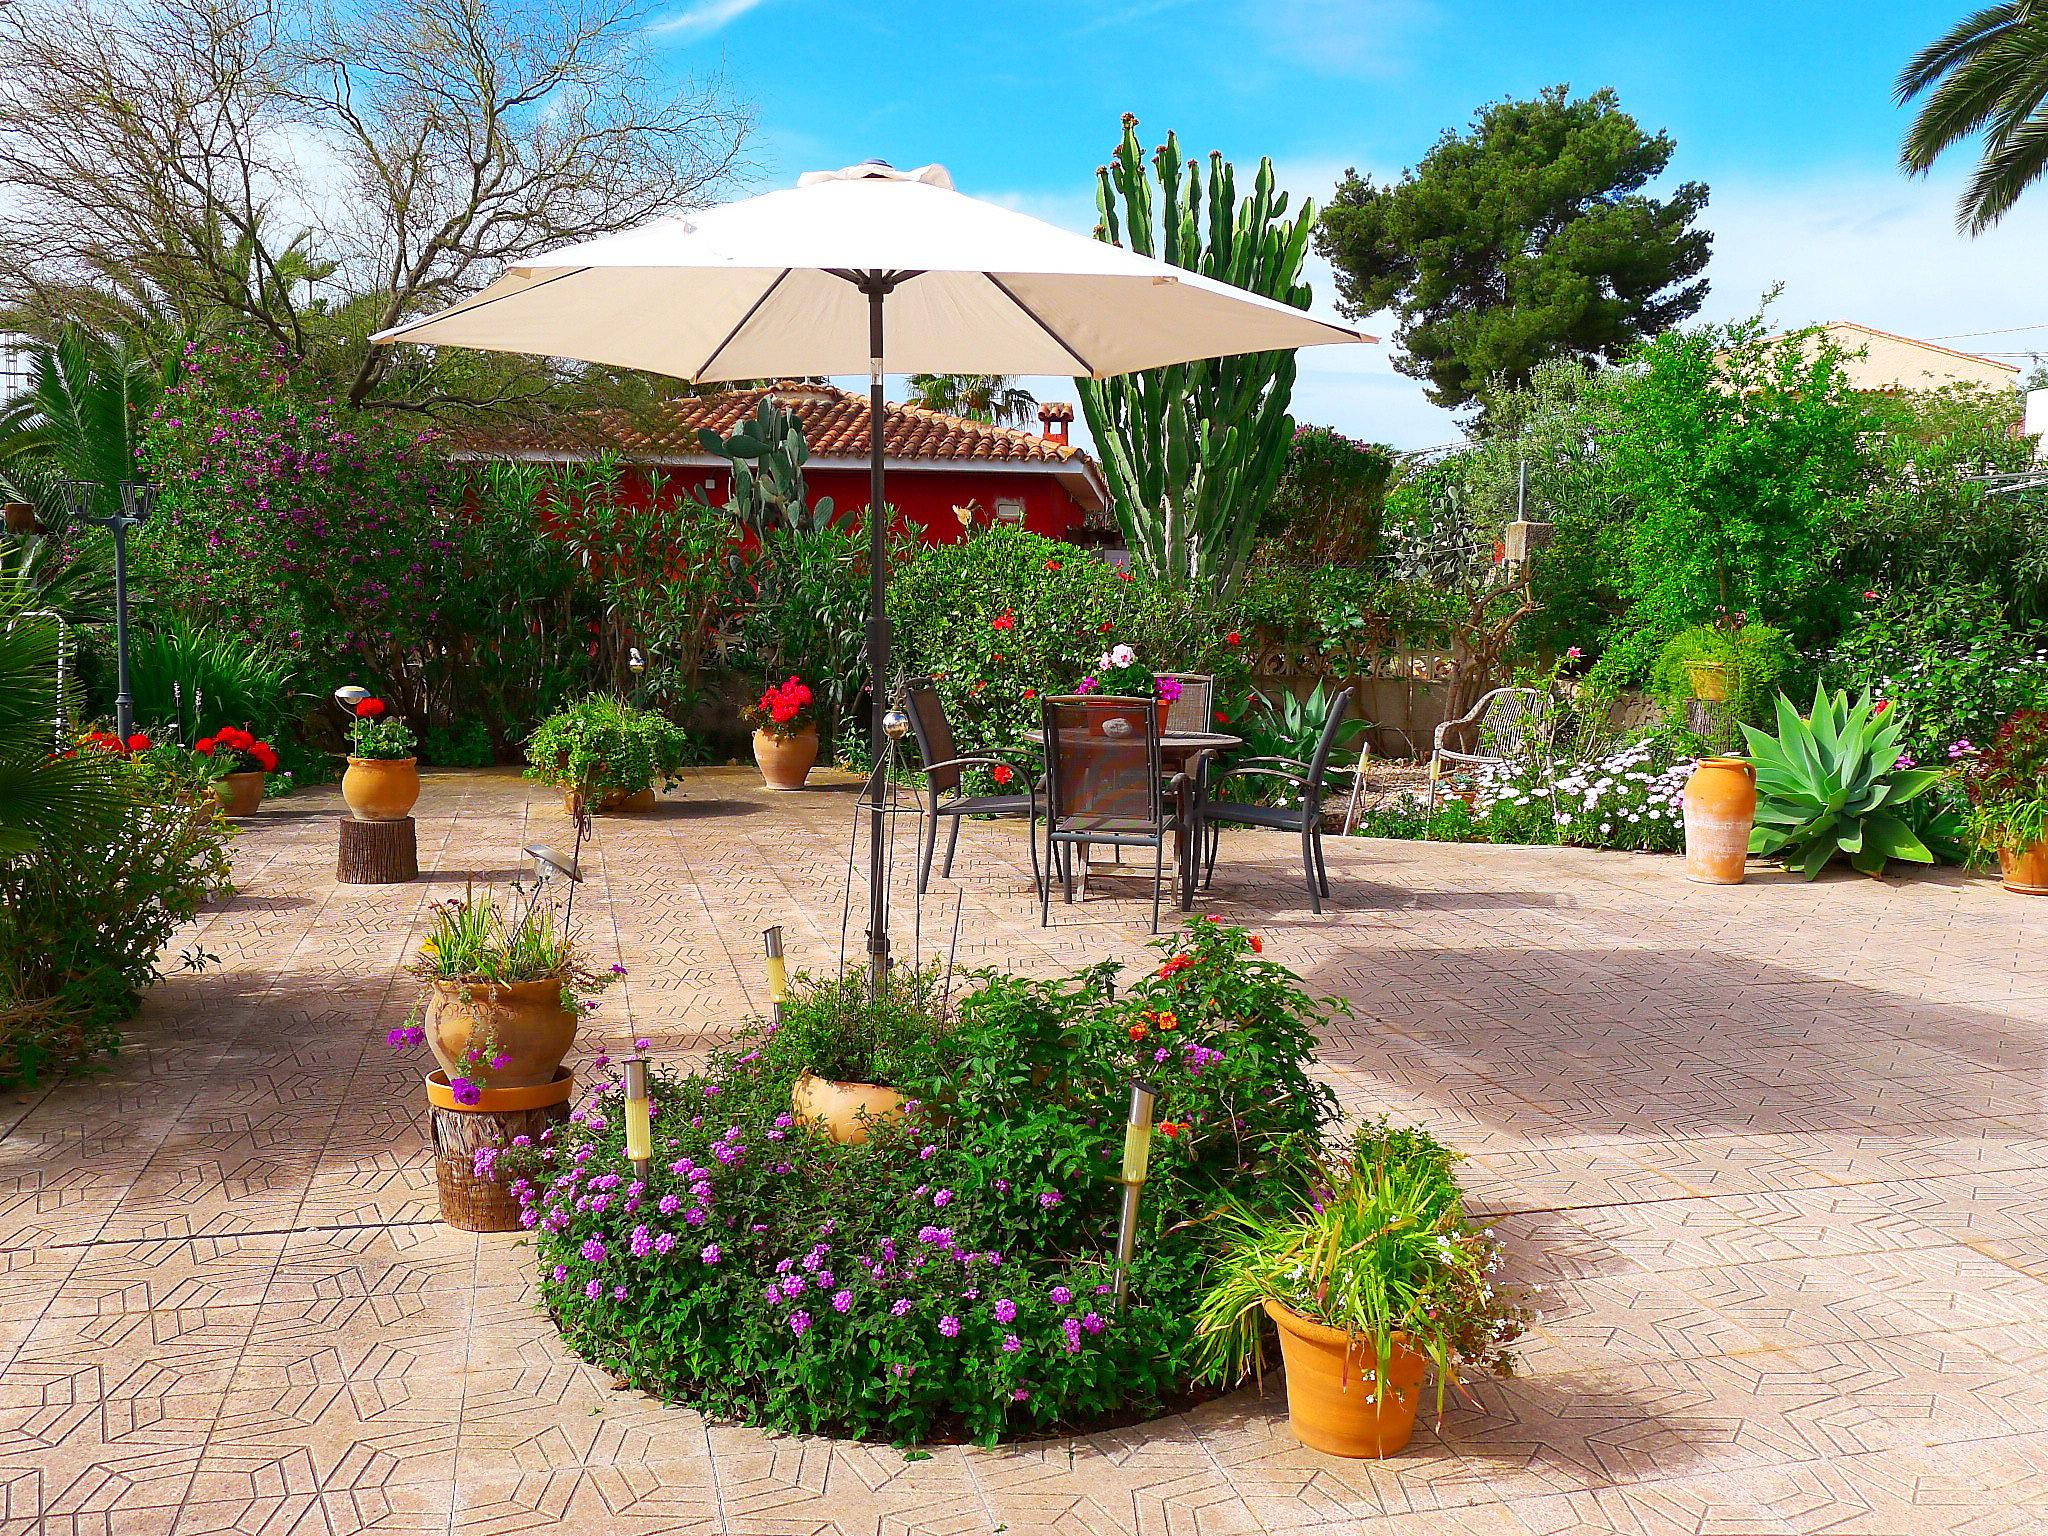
(1784, 110)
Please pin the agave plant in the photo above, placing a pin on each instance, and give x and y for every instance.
(1829, 783)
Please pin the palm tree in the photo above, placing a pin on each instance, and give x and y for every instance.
(990, 397)
(43, 798)
(1988, 74)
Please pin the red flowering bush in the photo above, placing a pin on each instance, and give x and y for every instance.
(785, 709)
(2008, 785)
(243, 752)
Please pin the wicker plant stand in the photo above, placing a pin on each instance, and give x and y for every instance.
(461, 1130)
(377, 852)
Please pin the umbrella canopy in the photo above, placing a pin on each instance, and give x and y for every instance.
(771, 287)
(865, 269)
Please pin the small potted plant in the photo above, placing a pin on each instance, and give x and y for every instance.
(855, 1046)
(2007, 785)
(785, 733)
(1119, 674)
(383, 778)
(607, 755)
(504, 991)
(194, 775)
(248, 763)
(1375, 1277)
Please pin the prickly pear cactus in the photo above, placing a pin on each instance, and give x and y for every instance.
(768, 455)
(1193, 452)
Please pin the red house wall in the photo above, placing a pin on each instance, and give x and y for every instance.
(922, 496)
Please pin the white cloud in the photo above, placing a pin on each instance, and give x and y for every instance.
(703, 18)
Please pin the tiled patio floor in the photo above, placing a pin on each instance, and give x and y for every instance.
(1777, 1153)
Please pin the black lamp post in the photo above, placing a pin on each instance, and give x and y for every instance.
(138, 498)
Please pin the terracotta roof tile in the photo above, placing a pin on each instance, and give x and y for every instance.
(835, 423)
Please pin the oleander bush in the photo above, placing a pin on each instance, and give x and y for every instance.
(951, 1278)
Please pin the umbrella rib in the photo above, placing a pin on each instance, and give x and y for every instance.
(1008, 293)
(397, 332)
(752, 310)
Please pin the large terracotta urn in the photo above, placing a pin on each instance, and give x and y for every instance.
(241, 794)
(786, 761)
(2025, 870)
(1337, 1400)
(381, 788)
(609, 801)
(525, 1021)
(843, 1111)
(1720, 809)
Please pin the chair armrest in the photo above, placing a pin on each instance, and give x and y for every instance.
(1255, 769)
(981, 760)
(1285, 762)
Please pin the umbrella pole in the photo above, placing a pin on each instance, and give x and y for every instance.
(876, 286)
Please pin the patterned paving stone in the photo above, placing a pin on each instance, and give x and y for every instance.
(1776, 1155)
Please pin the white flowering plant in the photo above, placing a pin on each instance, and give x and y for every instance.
(1627, 797)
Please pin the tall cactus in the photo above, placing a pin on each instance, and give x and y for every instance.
(768, 455)
(1192, 452)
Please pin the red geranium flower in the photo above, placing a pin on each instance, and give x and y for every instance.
(1232, 638)
(369, 709)
(204, 745)
(265, 757)
(1000, 774)
(139, 742)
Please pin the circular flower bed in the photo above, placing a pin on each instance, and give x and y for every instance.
(952, 1276)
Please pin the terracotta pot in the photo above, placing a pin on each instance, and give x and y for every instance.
(240, 794)
(1720, 809)
(610, 801)
(785, 761)
(2025, 871)
(381, 788)
(1335, 1400)
(524, 1020)
(1712, 681)
(21, 517)
(837, 1109)
(1165, 709)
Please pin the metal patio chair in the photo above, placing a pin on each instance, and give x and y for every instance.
(1103, 785)
(1304, 819)
(1195, 709)
(944, 776)
(1511, 724)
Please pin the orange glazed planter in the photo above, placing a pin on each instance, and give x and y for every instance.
(241, 794)
(786, 761)
(1720, 810)
(843, 1111)
(1336, 1401)
(381, 788)
(523, 1020)
(2026, 870)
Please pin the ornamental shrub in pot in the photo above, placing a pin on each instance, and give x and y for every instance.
(2007, 786)
(785, 733)
(249, 762)
(383, 778)
(606, 754)
(1372, 1277)
(505, 986)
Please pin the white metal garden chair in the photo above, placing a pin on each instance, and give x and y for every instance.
(1510, 725)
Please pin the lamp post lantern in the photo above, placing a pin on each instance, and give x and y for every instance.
(138, 499)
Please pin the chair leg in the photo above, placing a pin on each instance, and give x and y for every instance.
(1031, 842)
(1429, 805)
(1158, 876)
(930, 840)
(1322, 864)
(1067, 873)
(1308, 866)
(1045, 885)
(1212, 836)
(952, 844)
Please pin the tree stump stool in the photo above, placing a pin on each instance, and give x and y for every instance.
(378, 852)
(479, 1199)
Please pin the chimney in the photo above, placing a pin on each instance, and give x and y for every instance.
(1053, 417)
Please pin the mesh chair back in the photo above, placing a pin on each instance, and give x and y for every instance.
(1102, 764)
(1196, 707)
(1515, 722)
(934, 735)
(1340, 712)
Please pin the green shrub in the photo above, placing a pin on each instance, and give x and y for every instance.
(1830, 783)
(458, 744)
(600, 744)
(1331, 494)
(951, 1276)
(84, 924)
(1756, 659)
(1005, 617)
(192, 677)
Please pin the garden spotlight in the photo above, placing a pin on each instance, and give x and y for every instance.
(778, 971)
(639, 1121)
(349, 695)
(1137, 1162)
(635, 662)
(547, 864)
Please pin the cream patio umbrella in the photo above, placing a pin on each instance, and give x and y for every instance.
(865, 269)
